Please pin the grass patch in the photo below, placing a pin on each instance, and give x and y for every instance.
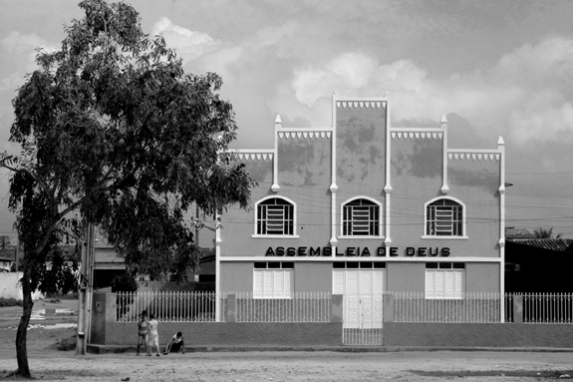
(59, 296)
(10, 302)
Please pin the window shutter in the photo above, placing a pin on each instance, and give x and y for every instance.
(430, 284)
(378, 283)
(288, 278)
(439, 285)
(338, 281)
(258, 284)
(459, 284)
(365, 280)
(267, 283)
(278, 284)
(449, 284)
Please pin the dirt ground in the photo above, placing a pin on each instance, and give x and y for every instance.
(50, 364)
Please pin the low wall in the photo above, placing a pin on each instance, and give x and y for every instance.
(9, 287)
(106, 331)
(233, 333)
(478, 335)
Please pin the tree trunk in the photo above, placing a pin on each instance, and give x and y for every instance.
(21, 350)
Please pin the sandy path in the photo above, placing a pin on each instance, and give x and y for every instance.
(51, 365)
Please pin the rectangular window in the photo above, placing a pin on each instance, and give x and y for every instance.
(274, 281)
(445, 282)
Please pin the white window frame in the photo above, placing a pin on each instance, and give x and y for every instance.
(379, 217)
(445, 283)
(462, 235)
(275, 283)
(282, 236)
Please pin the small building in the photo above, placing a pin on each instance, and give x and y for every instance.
(361, 207)
(538, 265)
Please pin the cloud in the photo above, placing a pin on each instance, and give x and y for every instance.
(189, 44)
(18, 54)
(524, 95)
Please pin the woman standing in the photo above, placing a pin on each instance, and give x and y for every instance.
(152, 335)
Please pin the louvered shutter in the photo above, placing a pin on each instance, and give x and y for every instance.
(459, 284)
(267, 284)
(338, 281)
(258, 284)
(430, 284)
(288, 278)
(449, 284)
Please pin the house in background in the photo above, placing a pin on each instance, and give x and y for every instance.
(7, 259)
(108, 264)
(538, 265)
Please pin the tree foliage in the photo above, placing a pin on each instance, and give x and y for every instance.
(544, 233)
(111, 127)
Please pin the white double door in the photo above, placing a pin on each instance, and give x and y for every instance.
(363, 299)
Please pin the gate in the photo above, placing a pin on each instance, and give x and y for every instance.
(362, 319)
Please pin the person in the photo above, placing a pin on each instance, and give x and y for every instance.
(176, 344)
(152, 335)
(142, 328)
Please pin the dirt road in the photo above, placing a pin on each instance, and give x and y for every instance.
(53, 365)
(49, 364)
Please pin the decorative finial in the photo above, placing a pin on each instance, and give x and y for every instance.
(500, 141)
(278, 121)
(444, 120)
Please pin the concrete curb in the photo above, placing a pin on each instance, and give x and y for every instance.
(108, 349)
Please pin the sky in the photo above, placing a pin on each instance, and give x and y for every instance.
(493, 67)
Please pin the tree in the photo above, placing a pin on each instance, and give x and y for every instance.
(114, 133)
(542, 233)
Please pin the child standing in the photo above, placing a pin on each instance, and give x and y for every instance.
(152, 335)
(142, 329)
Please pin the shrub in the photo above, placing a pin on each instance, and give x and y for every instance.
(10, 302)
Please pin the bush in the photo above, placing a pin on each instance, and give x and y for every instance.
(60, 296)
(10, 302)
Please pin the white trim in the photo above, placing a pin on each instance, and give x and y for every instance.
(218, 242)
(445, 187)
(427, 237)
(251, 151)
(380, 226)
(501, 149)
(388, 185)
(474, 151)
(382, 259)
(333, 186)
(360, 237)
(294, 231)
(255, 236)
(306, 129)
(464, 213)
(275, 186)
(417, 129)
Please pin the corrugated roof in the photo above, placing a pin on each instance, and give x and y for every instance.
(561, 245)
(518, 233)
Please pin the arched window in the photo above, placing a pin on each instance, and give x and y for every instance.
(361, 217)
(275, 216)
(444, 217)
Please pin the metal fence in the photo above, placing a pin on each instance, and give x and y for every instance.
(299, 307)
(200, 306)
(556, 308)
(166, 306)
(472, 307)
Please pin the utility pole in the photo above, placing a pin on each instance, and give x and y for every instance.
(85, 292)
(17, 251)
